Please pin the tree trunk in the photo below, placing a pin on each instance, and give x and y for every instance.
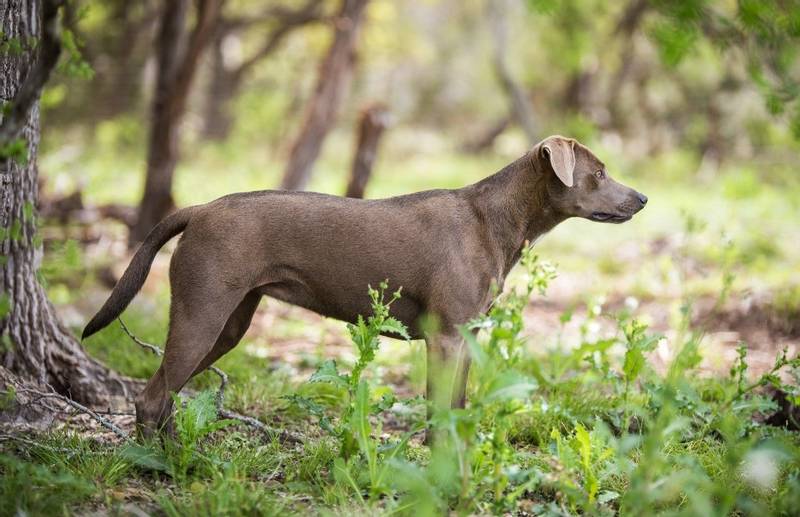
(577, 94)
(222, 89)
(626, 28)
(333, 81)
(118, 54)
(177, 67)
(35, 345)
(374, 120)
(520, 105)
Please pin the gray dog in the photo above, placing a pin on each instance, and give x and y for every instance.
(444, 247)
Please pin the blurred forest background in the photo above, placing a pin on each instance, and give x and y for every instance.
(156, 105)
(692, 102)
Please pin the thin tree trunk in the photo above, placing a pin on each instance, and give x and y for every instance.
(36, 346)
(120, 59)
(222, 89)
(374, 120)
(333, 81)
(520, 104)
(577, 94)
(626, 29)
(177, 67)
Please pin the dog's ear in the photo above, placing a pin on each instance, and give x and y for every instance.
(560, 152)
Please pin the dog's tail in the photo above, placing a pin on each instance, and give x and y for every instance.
(134, 277)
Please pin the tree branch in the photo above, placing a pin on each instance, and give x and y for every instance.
(80, 407)
(287, 21)
(207, 16)
(231, 23)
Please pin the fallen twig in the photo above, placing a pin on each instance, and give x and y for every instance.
(80, 407)
(282, 435)
(223, 377)
(153, 348)
(116, 413)
(223, 383)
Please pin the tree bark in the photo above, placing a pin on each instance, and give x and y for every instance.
(333, 81)
(177, 66)
(520, 104)
(35, 345)
(374, 120)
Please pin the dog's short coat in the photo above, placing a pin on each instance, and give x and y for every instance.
(444, 247)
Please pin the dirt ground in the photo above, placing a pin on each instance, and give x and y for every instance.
(745, 318)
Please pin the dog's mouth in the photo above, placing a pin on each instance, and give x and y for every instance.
(604, 217)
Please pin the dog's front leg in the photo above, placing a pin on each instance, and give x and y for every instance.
(448, 368)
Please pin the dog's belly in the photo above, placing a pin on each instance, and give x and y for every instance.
(345, 306)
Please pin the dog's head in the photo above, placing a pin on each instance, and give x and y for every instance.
(579, 185)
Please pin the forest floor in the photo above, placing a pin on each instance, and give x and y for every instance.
(720, 260)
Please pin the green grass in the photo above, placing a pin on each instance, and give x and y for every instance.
(589, 428)
(557, 424)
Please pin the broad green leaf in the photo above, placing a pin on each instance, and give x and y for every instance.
(634, 362)
(145, 457)
(328, 372)
(394, 326)
(510, 385)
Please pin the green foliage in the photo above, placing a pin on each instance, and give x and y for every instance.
(228, 493)
(353, 428)
(675, 41)
(13, 46)
(74, 64)
(473, 465)
(766, 31)
(16, 150)
(366, 334)
(586, 429)
(5, 305)
(193, 421)
(31, 489)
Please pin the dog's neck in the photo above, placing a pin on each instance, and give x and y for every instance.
(515, 207)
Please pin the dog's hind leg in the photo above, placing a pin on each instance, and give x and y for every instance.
(235, 328)
(196, 322)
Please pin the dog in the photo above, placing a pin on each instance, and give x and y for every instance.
(445, 248)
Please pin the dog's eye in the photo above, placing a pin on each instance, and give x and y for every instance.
(599, 174)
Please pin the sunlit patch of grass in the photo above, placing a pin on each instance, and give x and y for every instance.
(228, 492)
(85, 458)
(312, 463)
(252, 457)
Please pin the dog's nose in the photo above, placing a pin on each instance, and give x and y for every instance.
(642, 198)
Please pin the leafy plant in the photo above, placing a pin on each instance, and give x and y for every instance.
(353, 428)
(193, 421)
